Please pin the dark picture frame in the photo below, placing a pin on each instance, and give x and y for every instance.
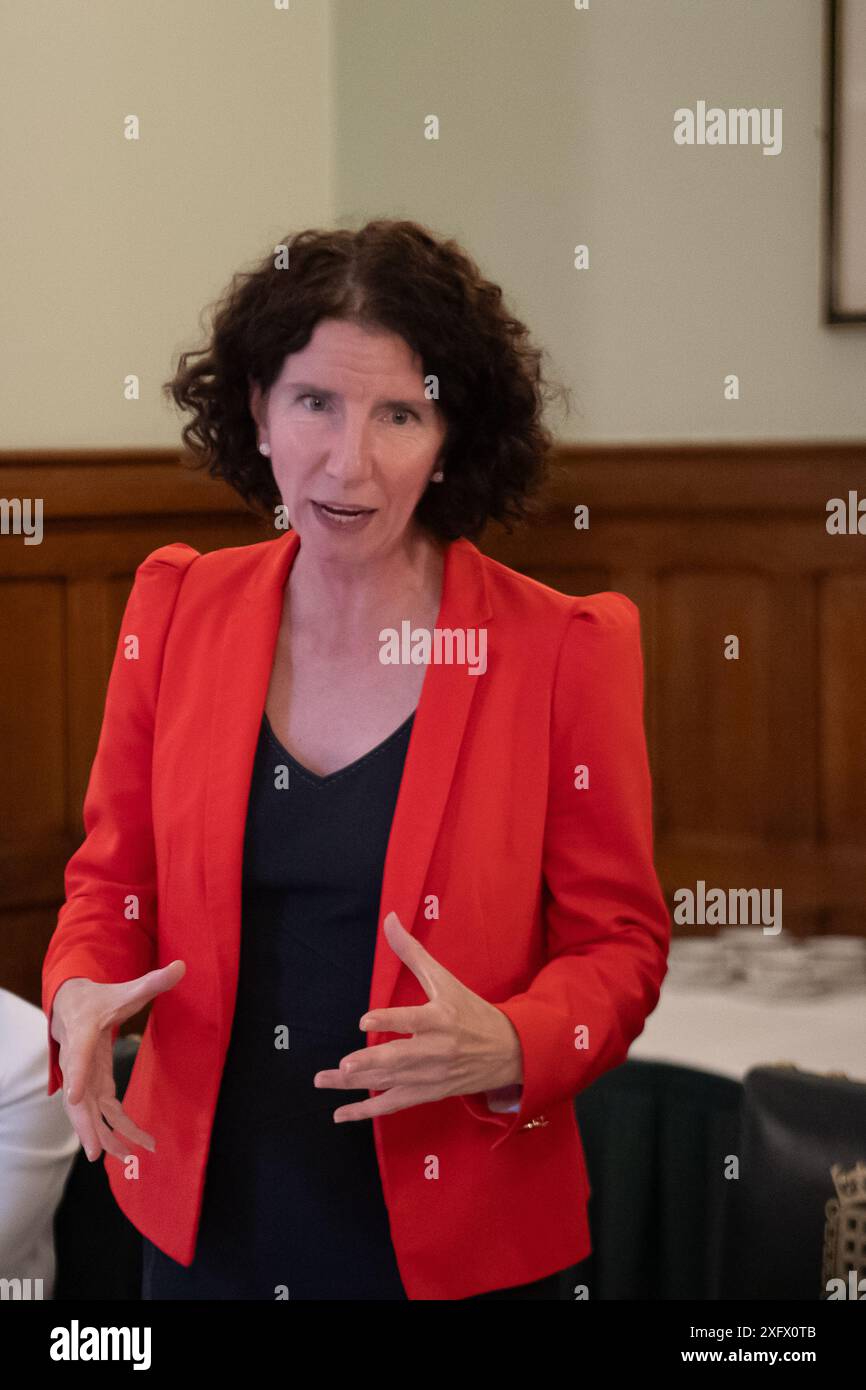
(845, 260)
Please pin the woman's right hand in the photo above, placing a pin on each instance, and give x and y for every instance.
(82, 1017)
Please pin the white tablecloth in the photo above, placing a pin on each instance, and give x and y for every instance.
(729, 1032)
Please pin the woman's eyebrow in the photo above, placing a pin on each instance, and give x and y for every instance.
(404, 402)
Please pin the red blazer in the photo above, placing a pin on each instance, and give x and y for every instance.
(548, 901)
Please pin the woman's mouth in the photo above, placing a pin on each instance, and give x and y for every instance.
(344, 517)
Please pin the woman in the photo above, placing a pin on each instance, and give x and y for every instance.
(369, 820)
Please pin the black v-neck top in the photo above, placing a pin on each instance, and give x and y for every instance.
(292, 1199)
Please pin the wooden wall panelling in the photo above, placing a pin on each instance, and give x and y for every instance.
(706, 536)
(842, 659)
(60, 609)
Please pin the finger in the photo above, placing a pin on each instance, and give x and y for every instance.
(398, 1098)
(407, 1018)
(75, 1066)
(431, 975)
(124, 1124)
(419, 1066)
(334, 1080)
(382, 1080)
(405, 1052)
(130, 996)
(84, 1123)
(108, 1141)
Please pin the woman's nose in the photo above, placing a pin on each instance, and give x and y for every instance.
(350, 459)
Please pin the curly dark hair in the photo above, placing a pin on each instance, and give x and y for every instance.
(397, 276)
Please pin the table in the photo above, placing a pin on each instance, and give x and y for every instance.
(727, 1031)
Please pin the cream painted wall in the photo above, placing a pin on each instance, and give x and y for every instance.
(110, 248)
(557, 128)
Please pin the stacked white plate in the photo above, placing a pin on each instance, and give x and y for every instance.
(767, 966)
(698, 962)
(840, 961)
(771, 966)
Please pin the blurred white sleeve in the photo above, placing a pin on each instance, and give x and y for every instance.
(37, 1146)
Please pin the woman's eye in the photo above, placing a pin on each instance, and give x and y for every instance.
(398, 411)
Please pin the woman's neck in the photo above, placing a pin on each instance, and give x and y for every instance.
(342, 607)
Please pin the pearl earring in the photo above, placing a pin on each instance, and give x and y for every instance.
(265, 449)
(437, 476)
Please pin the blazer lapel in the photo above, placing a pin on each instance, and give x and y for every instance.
(434, 746)
(237, 697)
(238, 694)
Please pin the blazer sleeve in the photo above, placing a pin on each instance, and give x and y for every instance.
(94, 938)
(606, 924)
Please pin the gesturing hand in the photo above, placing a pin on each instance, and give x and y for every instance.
(459, 1043)
(82, 1017)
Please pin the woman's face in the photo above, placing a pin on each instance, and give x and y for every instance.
(348, 425)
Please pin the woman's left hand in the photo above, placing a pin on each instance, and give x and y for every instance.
(459, 1043)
